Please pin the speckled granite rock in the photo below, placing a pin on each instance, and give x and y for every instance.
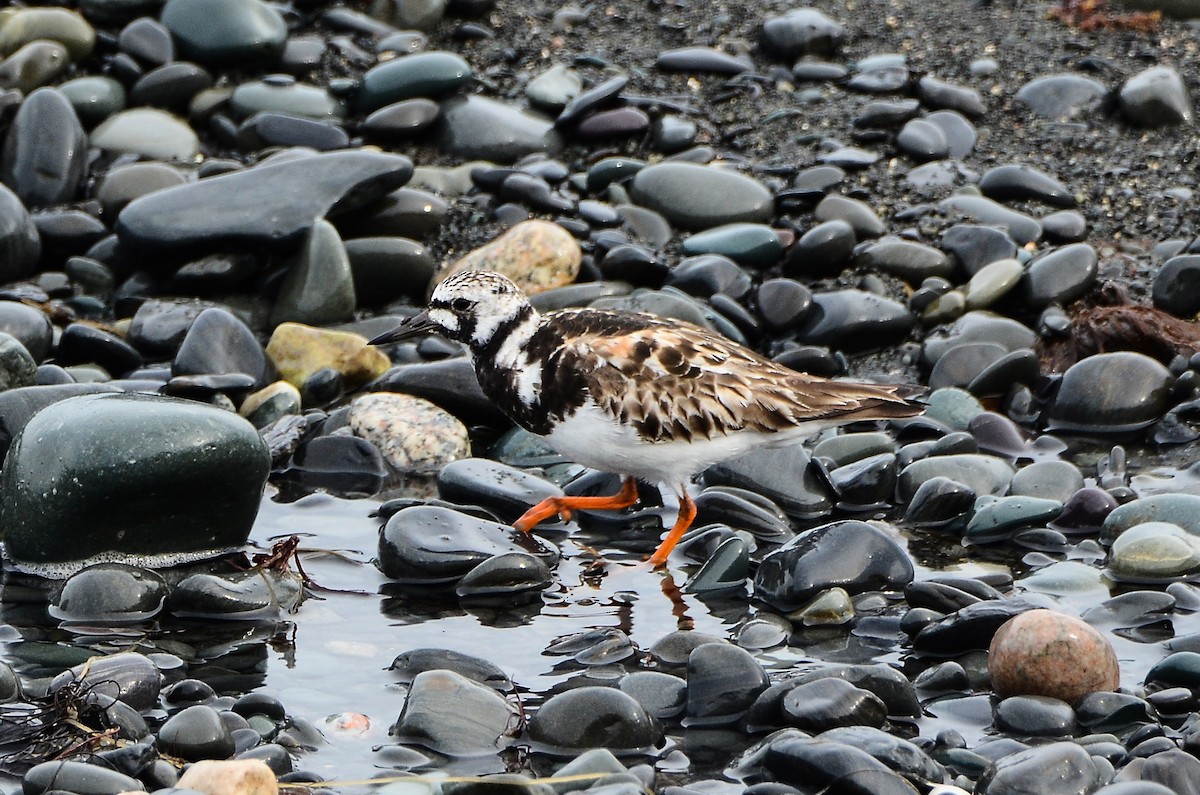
(414, 434)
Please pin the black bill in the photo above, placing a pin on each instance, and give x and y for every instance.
(415, 326)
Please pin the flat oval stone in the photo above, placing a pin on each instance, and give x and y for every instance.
(822, 764)
(723, 681)
(700, 197)
(1179, 509)
(1061, 275)
(80, 777)
(151, 133)
(1010, 182)
(755, 245)
(850, 554)
(1021, 228)
(29, 326)
(43, 156)
(912, 262)
(855, 320)
(454, 715)
(536, 255)
(34, 65)
(594, 717)
(401, 119)
(432, 75)
(94, 97)
(271, 205)
(20, 26)
(702, 59)
(198, 469)
(997, 518)
(983, 474)
(864, 220)
(225, 32)
(110, 593)
(433, 544)
(196, 732)
(505, 490)
(1111, 393)
(475, 127)
(1154, 551)
(299, 351)
(1062, 96)
(284, 96)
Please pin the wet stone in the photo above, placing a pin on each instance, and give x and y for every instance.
(830, 703)
(937, 93)
(1045, 653)
(449, 383)
(249, 32)
(94, 98)
(246, 595)
(128, 677)
(218, 343)
(1107, 711)
(431, 75)
(1153, 551)
(475, 127)
(697, 197)
(782, 475)
(17, 367)
(20, 244)
(259, 205)
(1055, 480)
(1111, 393)
(410, 663)
(1020, 227)
(1073, 770)
(709, 274)
(1156, 97)
(861, 217)
(454, 715)
(109, 594)
(960, 365)
(855, 321)
(156, 448)
(79, 777)
(171, 87)
(1061, 275)
(506, 491)
(922, 141)
(1005, 183)
(425, 543)
(1182, 510)
(806, 762)
(783, 303)
(1177, 286)
(337, 463)
(147, 132)
(554, 88)
(825, 248)
(912, 262)
(413, 434)
(898, 754)
(34, 65)
(722, 682)
(661, 695)
(503, 576)
(975, 246)
(318, 288)
(939, 501)
(801, 31)
(959, 133)
(42, 160)
(998, 517)
(84, 344)
(594, 717)
(298, 351)
(1036, 716)
(401, 119)
(852, 555)
(992, 282)
(1062, 96)
(28, 326)
(755, 245)
(1084, 511)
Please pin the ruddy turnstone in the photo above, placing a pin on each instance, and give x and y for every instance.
(634, 394)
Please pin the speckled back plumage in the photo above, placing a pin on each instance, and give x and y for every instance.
(667, 380)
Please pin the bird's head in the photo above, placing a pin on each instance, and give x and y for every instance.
(468, 307)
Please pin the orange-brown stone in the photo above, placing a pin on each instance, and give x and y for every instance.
(1044, 653)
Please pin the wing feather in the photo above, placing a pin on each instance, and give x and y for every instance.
(672, 380)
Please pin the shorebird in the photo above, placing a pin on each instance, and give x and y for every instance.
(644, 397)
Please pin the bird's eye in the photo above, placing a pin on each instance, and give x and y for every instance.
(460, 304)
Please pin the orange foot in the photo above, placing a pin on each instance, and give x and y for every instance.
(687, 513)
(563, 506)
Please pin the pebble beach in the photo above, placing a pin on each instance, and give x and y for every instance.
(245, 552)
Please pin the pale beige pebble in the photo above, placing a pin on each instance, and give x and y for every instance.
(1045, 653)
(20, 26)
(298, 351)
(233, 777)
(536, 255)
(413, 434)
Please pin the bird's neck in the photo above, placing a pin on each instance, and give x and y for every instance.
(500, 341)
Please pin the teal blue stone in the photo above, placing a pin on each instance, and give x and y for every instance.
(428, 74)
(953, 406)
(997, 518)
(1181, 669)
(1178, 509)
(132, 478)
(225, 32)
(756, 245)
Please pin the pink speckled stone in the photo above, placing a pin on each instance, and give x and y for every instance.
(414, 435)
(1044, 653)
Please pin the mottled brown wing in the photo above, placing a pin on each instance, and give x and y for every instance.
(681, 382)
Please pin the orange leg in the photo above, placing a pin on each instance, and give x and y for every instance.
(687, 513)
(562, 506)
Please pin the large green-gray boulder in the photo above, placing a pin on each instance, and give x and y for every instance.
(139, 479)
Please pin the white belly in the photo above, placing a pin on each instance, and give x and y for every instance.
(590, 437)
